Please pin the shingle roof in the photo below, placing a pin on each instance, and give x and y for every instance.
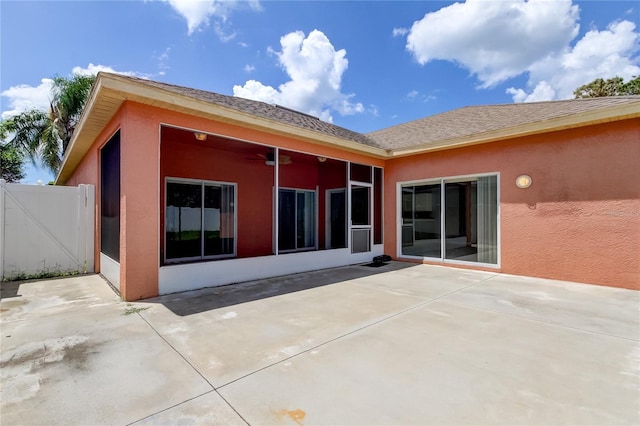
(436, 130)
(264, 110)
(476, 120)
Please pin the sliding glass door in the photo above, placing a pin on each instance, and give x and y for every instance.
(452, 219)
(199, 220)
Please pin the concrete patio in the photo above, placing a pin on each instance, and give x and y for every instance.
(400, 344)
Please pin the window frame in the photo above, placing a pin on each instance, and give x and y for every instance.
(296, 191)
(442, 181)
(203, 183)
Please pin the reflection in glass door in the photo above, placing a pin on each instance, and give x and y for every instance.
(421, 235)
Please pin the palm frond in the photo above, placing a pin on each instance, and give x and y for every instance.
(44, 135)
(24, 130)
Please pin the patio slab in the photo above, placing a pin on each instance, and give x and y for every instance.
(598, 309)
(446, 364)
(400, 344)
(245, 335)
(87, 361)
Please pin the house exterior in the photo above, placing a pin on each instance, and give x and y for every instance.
(197, 189)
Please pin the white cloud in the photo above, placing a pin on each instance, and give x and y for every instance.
(163, 61)
(495, 40)
(249, 68)
(499, 40)
(198, 13)
(92, 69)
(414, 94)
(599, 54)
(398, 32)
(542, 92)
(25, 97)
(315, 70)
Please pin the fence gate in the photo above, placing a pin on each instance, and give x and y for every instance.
(45, 230)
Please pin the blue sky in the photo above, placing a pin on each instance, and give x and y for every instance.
(363, 65)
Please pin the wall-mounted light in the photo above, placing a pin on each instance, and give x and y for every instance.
(322, 159)
(200, 136)
(523, 181)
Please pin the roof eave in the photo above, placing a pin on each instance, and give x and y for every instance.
(615, 113)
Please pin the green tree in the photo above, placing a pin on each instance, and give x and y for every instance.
(45, 135)
(611, 87)
(11, 163)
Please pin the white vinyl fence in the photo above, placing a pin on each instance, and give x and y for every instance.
(45, 230)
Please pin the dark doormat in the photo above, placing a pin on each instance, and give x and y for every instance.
(375, 264)
(379, 261)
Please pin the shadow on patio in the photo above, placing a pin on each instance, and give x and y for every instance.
(206, 299)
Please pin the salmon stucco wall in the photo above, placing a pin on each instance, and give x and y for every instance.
(139, 200)
(139, 195)
(579, 220)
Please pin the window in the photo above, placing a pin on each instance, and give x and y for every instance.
(296, 220)
(453, 219)
(199, 220)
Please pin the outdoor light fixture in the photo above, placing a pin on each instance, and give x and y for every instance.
(523, 181)
(322, 159)
(200, 136)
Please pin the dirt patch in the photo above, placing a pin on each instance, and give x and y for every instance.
(22, 368)
(72, 349)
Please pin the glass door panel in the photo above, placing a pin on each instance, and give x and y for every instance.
(296, 220)
(360, 206)
(360, 219)
(305, 222)
(337, 219)
(421, 222)
(460, 221)
(286, 220)
(184, 220)
(471, 220)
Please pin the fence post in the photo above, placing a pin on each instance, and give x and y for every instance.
(80, 227)
(90, 210)
(2, 189)
(86, 219)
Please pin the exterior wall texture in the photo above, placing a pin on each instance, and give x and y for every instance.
(142, 183)
(579, 220)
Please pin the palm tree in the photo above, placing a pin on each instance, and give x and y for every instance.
(45, 135)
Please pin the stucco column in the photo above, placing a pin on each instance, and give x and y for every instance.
(139, 203)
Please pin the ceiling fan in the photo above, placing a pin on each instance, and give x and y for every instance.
(269, 159)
